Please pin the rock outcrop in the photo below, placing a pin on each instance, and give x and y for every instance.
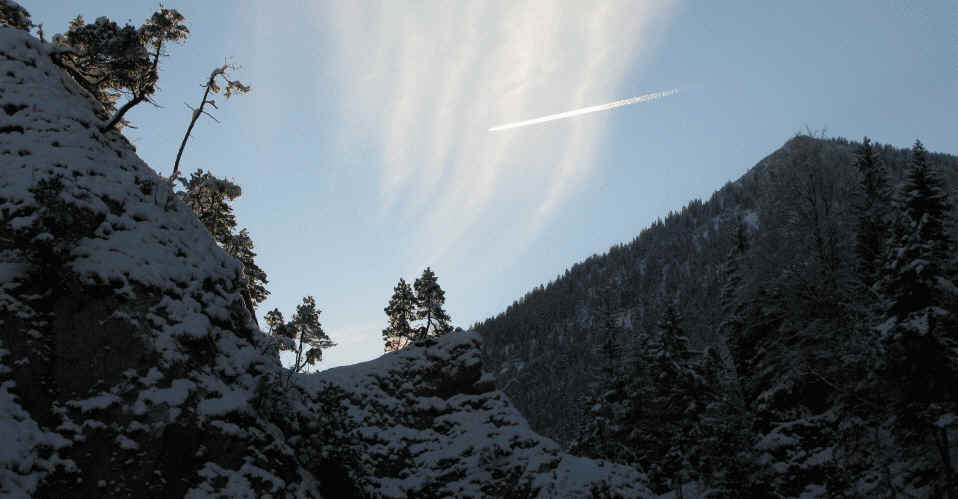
(426, 422)
(130, 367)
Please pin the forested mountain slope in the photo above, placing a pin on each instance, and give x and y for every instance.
(772, 280)
(131, 367)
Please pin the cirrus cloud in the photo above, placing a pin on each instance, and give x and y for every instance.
(427, 79)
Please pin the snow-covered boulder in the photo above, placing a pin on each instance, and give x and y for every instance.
(130, 366)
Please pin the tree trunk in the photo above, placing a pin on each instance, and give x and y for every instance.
(248, 300)
(295, 368)
(119, 114)
(196, 115)
(139, 96)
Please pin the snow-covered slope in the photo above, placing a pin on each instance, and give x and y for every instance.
(130, 367)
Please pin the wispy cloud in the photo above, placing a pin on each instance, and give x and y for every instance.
(431, 77)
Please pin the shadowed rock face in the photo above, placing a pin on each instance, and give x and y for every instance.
(130, 367)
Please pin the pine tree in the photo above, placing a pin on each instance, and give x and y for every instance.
(603, 434)
(732, 302)
(112, 61)
(610, 356)
(303, 335)
(671, 350)
(872, 212)
(920, 330)
(279, 331)
(671, 405)
(240, 246)
(310, 332)
(604, 408)
(734, 261)
(210, 199)
(434, 321)
(721, 447)
(401, 312)
(918, 274)
(275, 323)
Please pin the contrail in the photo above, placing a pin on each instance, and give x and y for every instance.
(591, 109)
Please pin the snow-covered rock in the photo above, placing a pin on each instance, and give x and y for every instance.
(128, 353)
(130, 366)
(426, 422)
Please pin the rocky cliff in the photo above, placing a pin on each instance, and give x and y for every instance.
(130, 367)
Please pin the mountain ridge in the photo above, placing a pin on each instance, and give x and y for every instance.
(714, 218)
(748, 344)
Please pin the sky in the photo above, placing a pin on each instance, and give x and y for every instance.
(364, 149)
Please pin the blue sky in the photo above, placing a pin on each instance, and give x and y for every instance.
(364, 153)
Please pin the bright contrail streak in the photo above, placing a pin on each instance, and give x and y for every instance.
(585, 110)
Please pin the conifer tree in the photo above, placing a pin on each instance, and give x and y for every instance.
(872, 212)
(434, 321)
(276, 323)
(610, 356)
(722, 434)
(240, 246)
(112, 61)
(920, 330)
(310, 333)
(918, 273)
(278, 329)
(679, 390)
(733, 306)
(604, 408)
(401, 312)
(303, 335)
(733, 267)
(210, 199)
(671, 349)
